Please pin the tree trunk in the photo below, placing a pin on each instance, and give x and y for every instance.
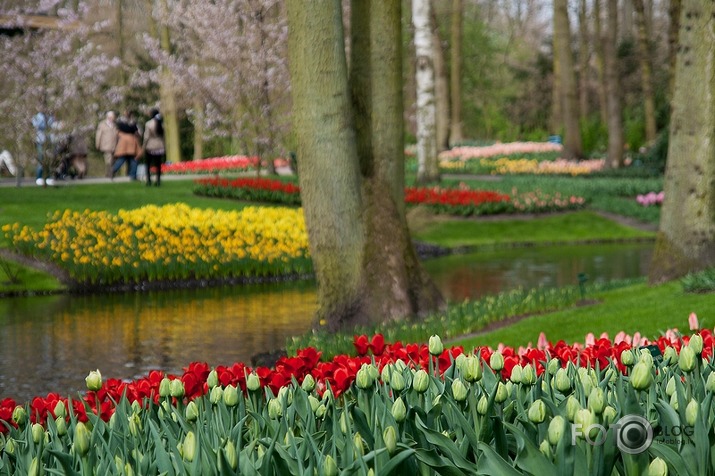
(686, 239)
(600, 62)
(456, 133)
(168, 100)
(584, 56)
(615, 117)
(626, 14)
(198, 130)
(674, 9)
(646, 71)
(562, 39)
(557, 107)
(427, 165)
(328, 165)
(441, 87)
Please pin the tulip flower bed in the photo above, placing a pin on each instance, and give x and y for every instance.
(603, 407)
(172, 242)
(215, 165)
(500, 150)
(524, 166)
(454, 201)
(650, 199)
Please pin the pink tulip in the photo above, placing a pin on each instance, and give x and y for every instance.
(590, 339)
(542, 343)
(693, 322)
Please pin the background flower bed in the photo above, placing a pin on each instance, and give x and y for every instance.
(171, 242)
(215, 165)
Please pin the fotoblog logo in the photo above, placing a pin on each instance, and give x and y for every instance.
(634, 434)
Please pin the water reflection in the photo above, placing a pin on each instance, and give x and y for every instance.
(49, 344)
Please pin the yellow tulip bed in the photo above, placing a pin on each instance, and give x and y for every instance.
(171, 242)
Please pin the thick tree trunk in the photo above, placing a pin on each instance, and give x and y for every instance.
(441, 87)
(328, 164)
(427, 165)
(674, 9)
(562, 39)
(686, 239)
(646, 70)
(168, 100)
(456, 133)
(584, 55)
(615, 114)
(600, 62)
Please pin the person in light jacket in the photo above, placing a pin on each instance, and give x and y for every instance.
(154, 148)
(105, 141)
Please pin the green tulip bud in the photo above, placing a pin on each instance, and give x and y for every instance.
(502, 393)
(81, 439)
(229, 452)
(483, 405)
(34, 469)
(372, 370)
(212, 379)
(472, 369)
(562, 381)
(658, 467)
(397, 382)
(609, 414)
(320, 411)
(691, 412)
(253, 383)
(586, 381)
(275, 409)
(509, 388)
(641, 376)
(390, 438)
(399, 411)
(710, 383)
(385, 373)
(646, 356)
(192, 411)
(674, 401)
(358, 445)
(10, 446)
(38, 432)
(176, 388)
(516, 374)
(459, 362)
(572, 406)
(230, 396)
(687, 359)
(545, 448)
(189, 446)
(670, 387)
(670, 356)
(496, 361)
(611, 375)
(94, 381)
(165, 387)
(19, 415)
(627, 358)
(308, 384)
(557, 428)
(553, 366)
(400, 365)
(597, 401)
(537, 411)
(420, 382)
(528, 375)
(585, 418)
(60, 409)
(216, 395)
(135, 424)
(435, 345)
(364, 379)
(696, 343)
(329, 466)
(459, 391)
(61, 425)
(314, 403)
(327, 396)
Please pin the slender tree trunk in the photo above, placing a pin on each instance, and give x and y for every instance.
(599, 41)
(557, 107)
(456, 133)
(121, 44)
(686, 239)
(584, 55)
(198, 130)
(427, 164)
(569, 101)
(441, 87)
(626, 15)
(168, 100)
(266, 101)
(674, 9)
(646, 70)
(615, 114)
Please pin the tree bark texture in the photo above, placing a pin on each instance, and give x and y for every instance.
(168, 100)
(643, 36)
(427, 165)
(615, 114)
(584, 55)
(569, 97)
(599, 42)
(686, 238)
(456, 133)
(441, 87)
(674, 10)
(198, 130)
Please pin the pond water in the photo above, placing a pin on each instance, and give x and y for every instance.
(50, 343)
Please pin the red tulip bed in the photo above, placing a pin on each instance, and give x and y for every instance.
(214, 165)
(339, 374)
(455, 201)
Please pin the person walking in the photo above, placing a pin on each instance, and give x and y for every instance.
(105, 141)
(42, 123)
(153, 145)
(128, 149)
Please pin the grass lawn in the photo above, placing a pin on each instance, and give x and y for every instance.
(41, 281)
(569, 227)
(639, 308)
